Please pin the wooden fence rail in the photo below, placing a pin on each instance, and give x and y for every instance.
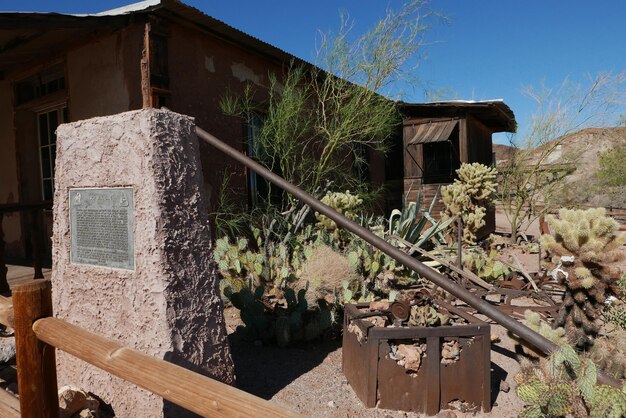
(37, 334)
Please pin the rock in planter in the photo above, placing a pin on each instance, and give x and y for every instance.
(7, 351)
(75, 402)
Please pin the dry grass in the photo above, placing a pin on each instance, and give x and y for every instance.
(325, 271)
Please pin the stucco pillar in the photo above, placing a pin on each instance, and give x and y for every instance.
(164, 300)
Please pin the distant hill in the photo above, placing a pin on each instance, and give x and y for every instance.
(584, 147)
(503, 152)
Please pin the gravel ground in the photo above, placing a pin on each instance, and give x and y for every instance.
(309, 379)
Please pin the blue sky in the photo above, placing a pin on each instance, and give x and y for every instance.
(489, 49)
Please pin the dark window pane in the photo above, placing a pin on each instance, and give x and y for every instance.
(43, 129)
(48, 191)
(65, 115)
(54, 122)
(45, 162)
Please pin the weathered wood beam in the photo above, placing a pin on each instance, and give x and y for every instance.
(197, 393)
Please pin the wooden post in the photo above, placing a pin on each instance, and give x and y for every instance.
(37, 246)
(36, 368)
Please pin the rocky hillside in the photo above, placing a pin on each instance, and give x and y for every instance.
(584, 147)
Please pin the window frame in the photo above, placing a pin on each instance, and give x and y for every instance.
(47, 172)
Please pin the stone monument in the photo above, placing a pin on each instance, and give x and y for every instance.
(131, 251)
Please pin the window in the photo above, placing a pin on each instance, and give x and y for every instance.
(254, 181)
(260, 189)
(45, 83)
(440, 162)
(47, 123)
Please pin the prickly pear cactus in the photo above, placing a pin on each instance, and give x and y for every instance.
(427, 316)
(587, 244)
(469, 196)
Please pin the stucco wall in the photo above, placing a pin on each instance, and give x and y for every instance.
(104, 76)
(202, 70)
(8, 171)
(169, 306)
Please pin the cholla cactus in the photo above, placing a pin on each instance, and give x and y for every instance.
(344, 203)
(589, 236)
(468, 197)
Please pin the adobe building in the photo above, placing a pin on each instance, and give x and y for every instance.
(57, 68)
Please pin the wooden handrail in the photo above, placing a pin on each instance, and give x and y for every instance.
(18, 207)
(9, 405)
(197, 393)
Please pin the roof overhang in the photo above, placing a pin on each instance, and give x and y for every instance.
(494, 114)
(26, 37)
(29, 36)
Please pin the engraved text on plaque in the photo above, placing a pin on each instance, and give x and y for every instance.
(101, 222)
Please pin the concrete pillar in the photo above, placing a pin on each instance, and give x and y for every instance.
(155, 289)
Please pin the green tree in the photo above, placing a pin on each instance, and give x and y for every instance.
(612, 167)
(611, 174)
(318, 125)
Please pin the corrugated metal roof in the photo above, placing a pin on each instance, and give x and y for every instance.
(433, 131)
(130, 8)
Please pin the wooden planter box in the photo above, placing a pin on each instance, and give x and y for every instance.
(380, 382)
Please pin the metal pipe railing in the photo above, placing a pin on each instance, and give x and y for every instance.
(440, 280)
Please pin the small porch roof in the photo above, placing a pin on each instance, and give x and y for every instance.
(433, 131)
(494, 114)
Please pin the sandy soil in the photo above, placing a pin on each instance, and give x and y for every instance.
(309, 379)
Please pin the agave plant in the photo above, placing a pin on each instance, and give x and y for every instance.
(410, 224)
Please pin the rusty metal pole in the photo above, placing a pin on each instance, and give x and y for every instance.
(36, 368)
(440, 280)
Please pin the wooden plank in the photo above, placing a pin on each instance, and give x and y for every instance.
(433, 355)
(463, 142)
(9, 405)
(36, 368)
(145, 68)
(197, 393)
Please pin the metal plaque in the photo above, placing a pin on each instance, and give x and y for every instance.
(101, 226)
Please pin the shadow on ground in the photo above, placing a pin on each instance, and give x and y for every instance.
(265, 370)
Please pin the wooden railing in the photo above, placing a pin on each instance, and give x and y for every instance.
(29, 312)
(33, 213)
